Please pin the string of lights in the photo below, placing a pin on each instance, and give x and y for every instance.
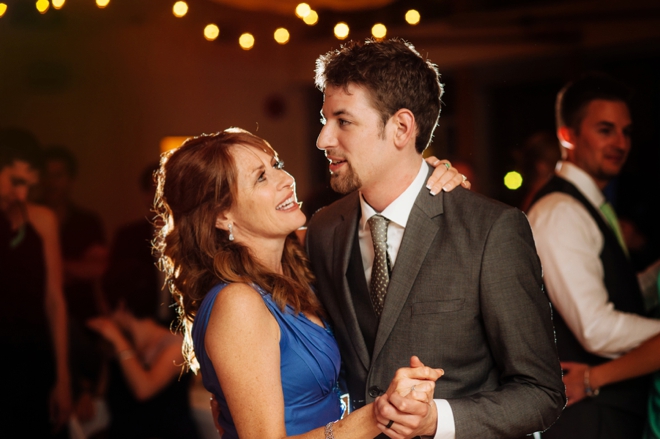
(246, 41)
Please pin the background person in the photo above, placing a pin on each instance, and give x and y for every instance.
(33, 320)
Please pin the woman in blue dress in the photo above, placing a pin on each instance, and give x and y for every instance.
(241, 280)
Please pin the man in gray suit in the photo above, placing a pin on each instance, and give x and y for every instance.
(452, 278)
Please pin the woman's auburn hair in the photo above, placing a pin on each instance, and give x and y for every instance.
(197, 182)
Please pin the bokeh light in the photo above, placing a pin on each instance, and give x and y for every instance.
(57, 4)
(513, 180)
(341, 30)
(246, 41)
(42, 6)
(102, 3)
(281, 35)
(3, 9)
(211, 32)
(303, 10)
(413, 17)
(312, 18)
(180, 9)
(379, 31)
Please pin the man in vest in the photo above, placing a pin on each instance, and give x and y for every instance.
(597, 295)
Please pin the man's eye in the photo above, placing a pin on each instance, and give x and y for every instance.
(343, 122)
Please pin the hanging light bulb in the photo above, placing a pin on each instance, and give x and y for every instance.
(303, 10)
(211, 32)
(180, 9)
(341, 30)
(246, 41)
(57, 4)
(42, 6)
(3, 9)
(102, 3)
(379, 31)
(412, 17)
(312, 18)
(281, 35)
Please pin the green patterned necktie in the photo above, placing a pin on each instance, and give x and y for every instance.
(610, 215)
(380, 275)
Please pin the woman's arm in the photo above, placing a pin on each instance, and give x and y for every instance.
(45, 223)
(143, 382)
(242, 341)
(640, 361)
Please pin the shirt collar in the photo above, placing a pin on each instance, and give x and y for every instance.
(583, 181)
(399, 210)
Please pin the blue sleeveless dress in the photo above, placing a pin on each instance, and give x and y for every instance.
(309, 367)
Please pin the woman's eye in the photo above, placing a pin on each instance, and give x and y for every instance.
(262, 177)
(278, 165)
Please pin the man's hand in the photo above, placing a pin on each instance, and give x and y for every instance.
(408, 406)
(444, 177)
(574, 381)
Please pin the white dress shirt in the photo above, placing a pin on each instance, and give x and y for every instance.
(398, 212)
(569, 243)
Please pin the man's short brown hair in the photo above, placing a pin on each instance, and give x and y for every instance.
(395, 75)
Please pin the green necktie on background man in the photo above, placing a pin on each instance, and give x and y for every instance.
(610, 215)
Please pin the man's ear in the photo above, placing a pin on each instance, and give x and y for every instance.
(405, 129)
(566, 137)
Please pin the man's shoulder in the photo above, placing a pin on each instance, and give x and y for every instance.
(333, 213)
(475, 208)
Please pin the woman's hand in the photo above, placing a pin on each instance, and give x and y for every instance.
(407, 409)
(444, 177)
(574, 381)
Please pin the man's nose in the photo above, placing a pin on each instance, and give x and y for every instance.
(324, 140)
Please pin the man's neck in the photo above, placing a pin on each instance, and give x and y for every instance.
(394, 182)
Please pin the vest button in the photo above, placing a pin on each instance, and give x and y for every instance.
(375, 391)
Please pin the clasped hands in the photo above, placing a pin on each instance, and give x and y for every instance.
(407, 409)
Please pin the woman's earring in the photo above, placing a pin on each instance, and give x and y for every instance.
(231, 232)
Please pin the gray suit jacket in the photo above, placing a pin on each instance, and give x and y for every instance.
(465, 295)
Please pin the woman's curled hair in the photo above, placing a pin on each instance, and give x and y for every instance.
(196, 183)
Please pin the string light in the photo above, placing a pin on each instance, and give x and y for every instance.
(412, 17)
(211, 32)
(341, 30)
(180, 9)
(57, 4)
(42, 6)
(246, 41)
(303, 10)
(312, 18)
(102, 3)
(281, 35)
(379, 31)
(3, 9)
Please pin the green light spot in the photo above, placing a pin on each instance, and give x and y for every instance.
(513, 180)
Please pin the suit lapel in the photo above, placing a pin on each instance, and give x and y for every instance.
(420, 233)
(343, 245)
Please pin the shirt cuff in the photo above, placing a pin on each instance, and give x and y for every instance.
(446, 428)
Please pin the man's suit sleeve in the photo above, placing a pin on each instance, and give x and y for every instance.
(517, 320)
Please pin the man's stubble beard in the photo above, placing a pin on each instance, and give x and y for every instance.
(346, 183)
